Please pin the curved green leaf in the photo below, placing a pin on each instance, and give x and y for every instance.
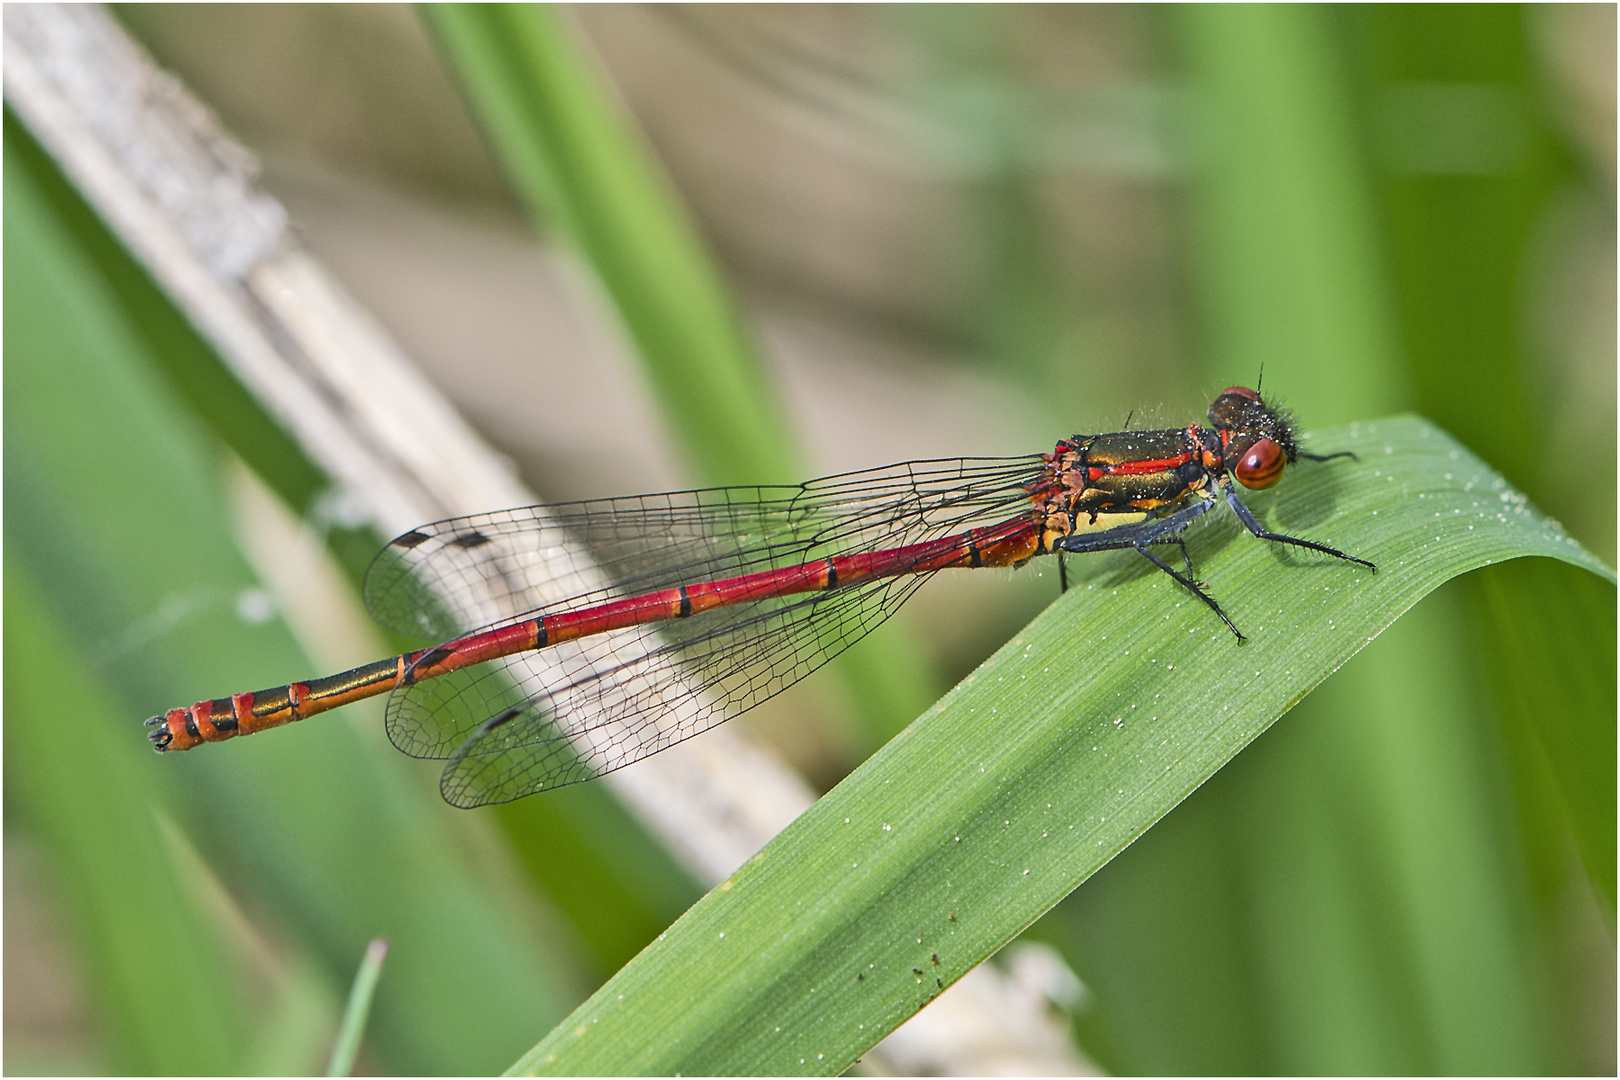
(1042, 765)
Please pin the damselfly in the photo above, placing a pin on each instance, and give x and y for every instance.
(611, 629)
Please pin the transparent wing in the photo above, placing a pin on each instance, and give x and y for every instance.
(455, 576)
(617, 713)
(574, 710)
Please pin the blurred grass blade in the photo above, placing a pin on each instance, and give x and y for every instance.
(1377, 905)
(117, 509)
(149, 951)
(1060, 750)
(580, 168)
(1556, 670)
(1285, 249)
(358, 1009)
(294, 1005)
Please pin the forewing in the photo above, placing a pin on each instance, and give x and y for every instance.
(454, 576)
(574, 710)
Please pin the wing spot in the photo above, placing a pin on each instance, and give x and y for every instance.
(504, 718)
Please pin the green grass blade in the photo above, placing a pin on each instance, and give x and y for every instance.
(1377, 907)
(1343, 898)
(148, 948)
(1556, 636)
(358, 1009)
(1060, 750)
(579, 167)
(1284, 252)
(116, 508)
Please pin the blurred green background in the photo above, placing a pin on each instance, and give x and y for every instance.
(947, 230)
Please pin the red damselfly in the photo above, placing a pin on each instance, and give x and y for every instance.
(611, 629)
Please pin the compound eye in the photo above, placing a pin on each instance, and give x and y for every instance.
(1261, 465)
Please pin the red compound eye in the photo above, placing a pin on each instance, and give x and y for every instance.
(1261, 466)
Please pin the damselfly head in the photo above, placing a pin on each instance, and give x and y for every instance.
(1258, 440)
